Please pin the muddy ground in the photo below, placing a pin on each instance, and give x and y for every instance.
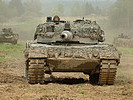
(66, 86)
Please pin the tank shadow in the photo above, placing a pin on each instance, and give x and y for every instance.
(68, 81)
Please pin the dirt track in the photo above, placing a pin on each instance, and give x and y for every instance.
(67, 86)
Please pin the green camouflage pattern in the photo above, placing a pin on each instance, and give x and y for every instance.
(83, 31)
(7, 36)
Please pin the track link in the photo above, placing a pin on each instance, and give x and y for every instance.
(107, 72)
(35, 73)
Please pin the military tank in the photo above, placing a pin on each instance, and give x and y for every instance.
(123, 40)
(7, 36)
(63, 46)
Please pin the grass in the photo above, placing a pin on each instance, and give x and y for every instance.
(83, 92)
(80, 85)
(124, 79)
(10, 52)
(126, 51)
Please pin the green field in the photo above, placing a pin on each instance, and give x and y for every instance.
(11, 52)
(126, 51)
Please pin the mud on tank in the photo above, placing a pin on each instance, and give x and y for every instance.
(63, 46)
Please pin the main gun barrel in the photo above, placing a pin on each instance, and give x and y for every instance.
(66, 36)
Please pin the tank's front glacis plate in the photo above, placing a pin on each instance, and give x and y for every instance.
(69, 57)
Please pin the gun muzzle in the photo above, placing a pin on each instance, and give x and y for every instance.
(66, 36)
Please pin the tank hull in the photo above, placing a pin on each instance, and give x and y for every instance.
(84, 58)
(121, 42)
(87, 52)
(89, 59)
(6, 38)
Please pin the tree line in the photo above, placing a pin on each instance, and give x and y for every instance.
(78, 9)
(17, 8)
(85, 9)
(121, 14)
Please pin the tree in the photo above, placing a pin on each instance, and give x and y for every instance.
(83, 9)
(98, 11)
(76, 10)
(33, 8)
(2, 7)
(121, 14)
(59, 10)
(16, 7)
(3, 11)
(89, 9)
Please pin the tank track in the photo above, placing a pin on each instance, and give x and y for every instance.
(35, 71)
(107, 72)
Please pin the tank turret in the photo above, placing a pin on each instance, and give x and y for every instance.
(81, 31)
(8, 36)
